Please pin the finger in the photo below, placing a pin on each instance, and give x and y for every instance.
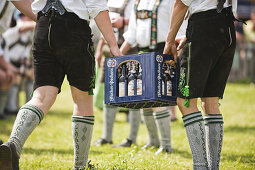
(180, 46)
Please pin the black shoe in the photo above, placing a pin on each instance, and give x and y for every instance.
(90, 166)
(102, 141)
(1, 142)
(164, 150)
(9, 159)
(126, 143)
(147, 146)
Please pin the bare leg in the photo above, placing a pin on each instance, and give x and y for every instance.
(195, 129)
(82, 126)
(29, 116)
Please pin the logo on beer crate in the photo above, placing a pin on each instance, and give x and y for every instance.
(111, 63)
(159, 58)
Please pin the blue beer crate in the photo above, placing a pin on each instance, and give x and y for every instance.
(152, 72)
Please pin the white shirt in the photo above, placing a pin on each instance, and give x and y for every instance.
(5, 20)
(204, 5)
(85, 9)
(139, 31)
(16, 52)
(119, 4)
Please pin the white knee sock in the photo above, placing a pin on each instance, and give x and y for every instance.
(82, 127)
(151, 127)
(28, 118)
(108, 121)
(195, 130)
(162, 119)
(214, 139)
(135, 120)
(12, 103)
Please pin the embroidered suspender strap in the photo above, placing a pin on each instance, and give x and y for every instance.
(4, 9)
(154, 29)
(136, 6)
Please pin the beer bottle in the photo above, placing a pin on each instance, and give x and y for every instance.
(164, 79)
(131, 80)
(139, 88)
(122, 81)
(168, 82)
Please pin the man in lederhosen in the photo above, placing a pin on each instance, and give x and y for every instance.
(62, 46)
(205, 61)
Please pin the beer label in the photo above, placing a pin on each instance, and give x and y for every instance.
(121, 89)
(163, 88)
(139, 87)
(131, 90)
(169, 88)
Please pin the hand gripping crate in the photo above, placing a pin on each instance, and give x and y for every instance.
(151, 85)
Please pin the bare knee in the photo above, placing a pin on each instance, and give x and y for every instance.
(44, 97)
(187, 110)
(210, 105)
(83, 102)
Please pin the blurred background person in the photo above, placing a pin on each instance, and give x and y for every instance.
(17, 52)
(6, 72)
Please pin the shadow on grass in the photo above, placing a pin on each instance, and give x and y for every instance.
(51, 151)
(240, 129)
(6, 125)
(182, 153)
(241, 158)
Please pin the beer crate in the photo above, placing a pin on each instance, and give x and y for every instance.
(150, 90)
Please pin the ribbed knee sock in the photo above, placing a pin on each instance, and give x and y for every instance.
(214, 139)
(108, 121)
(82, 127)
(12, 103)
(162, 119)
(195, 130)
(135, 120)
(28, 118)
(151, 127)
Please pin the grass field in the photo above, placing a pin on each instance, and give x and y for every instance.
(50, 146)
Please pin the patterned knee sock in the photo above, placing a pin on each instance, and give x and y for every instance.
(28, 118)
(214, 139)
(135, 120)
(195, 130)
(163, 123)
(151, 127)
(109, 118)
(82, 127)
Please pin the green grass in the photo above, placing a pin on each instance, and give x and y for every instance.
(51, 147)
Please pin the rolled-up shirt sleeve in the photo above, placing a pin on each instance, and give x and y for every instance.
(95, 6)
(186, 2)
(130, 34)
(182, 30)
